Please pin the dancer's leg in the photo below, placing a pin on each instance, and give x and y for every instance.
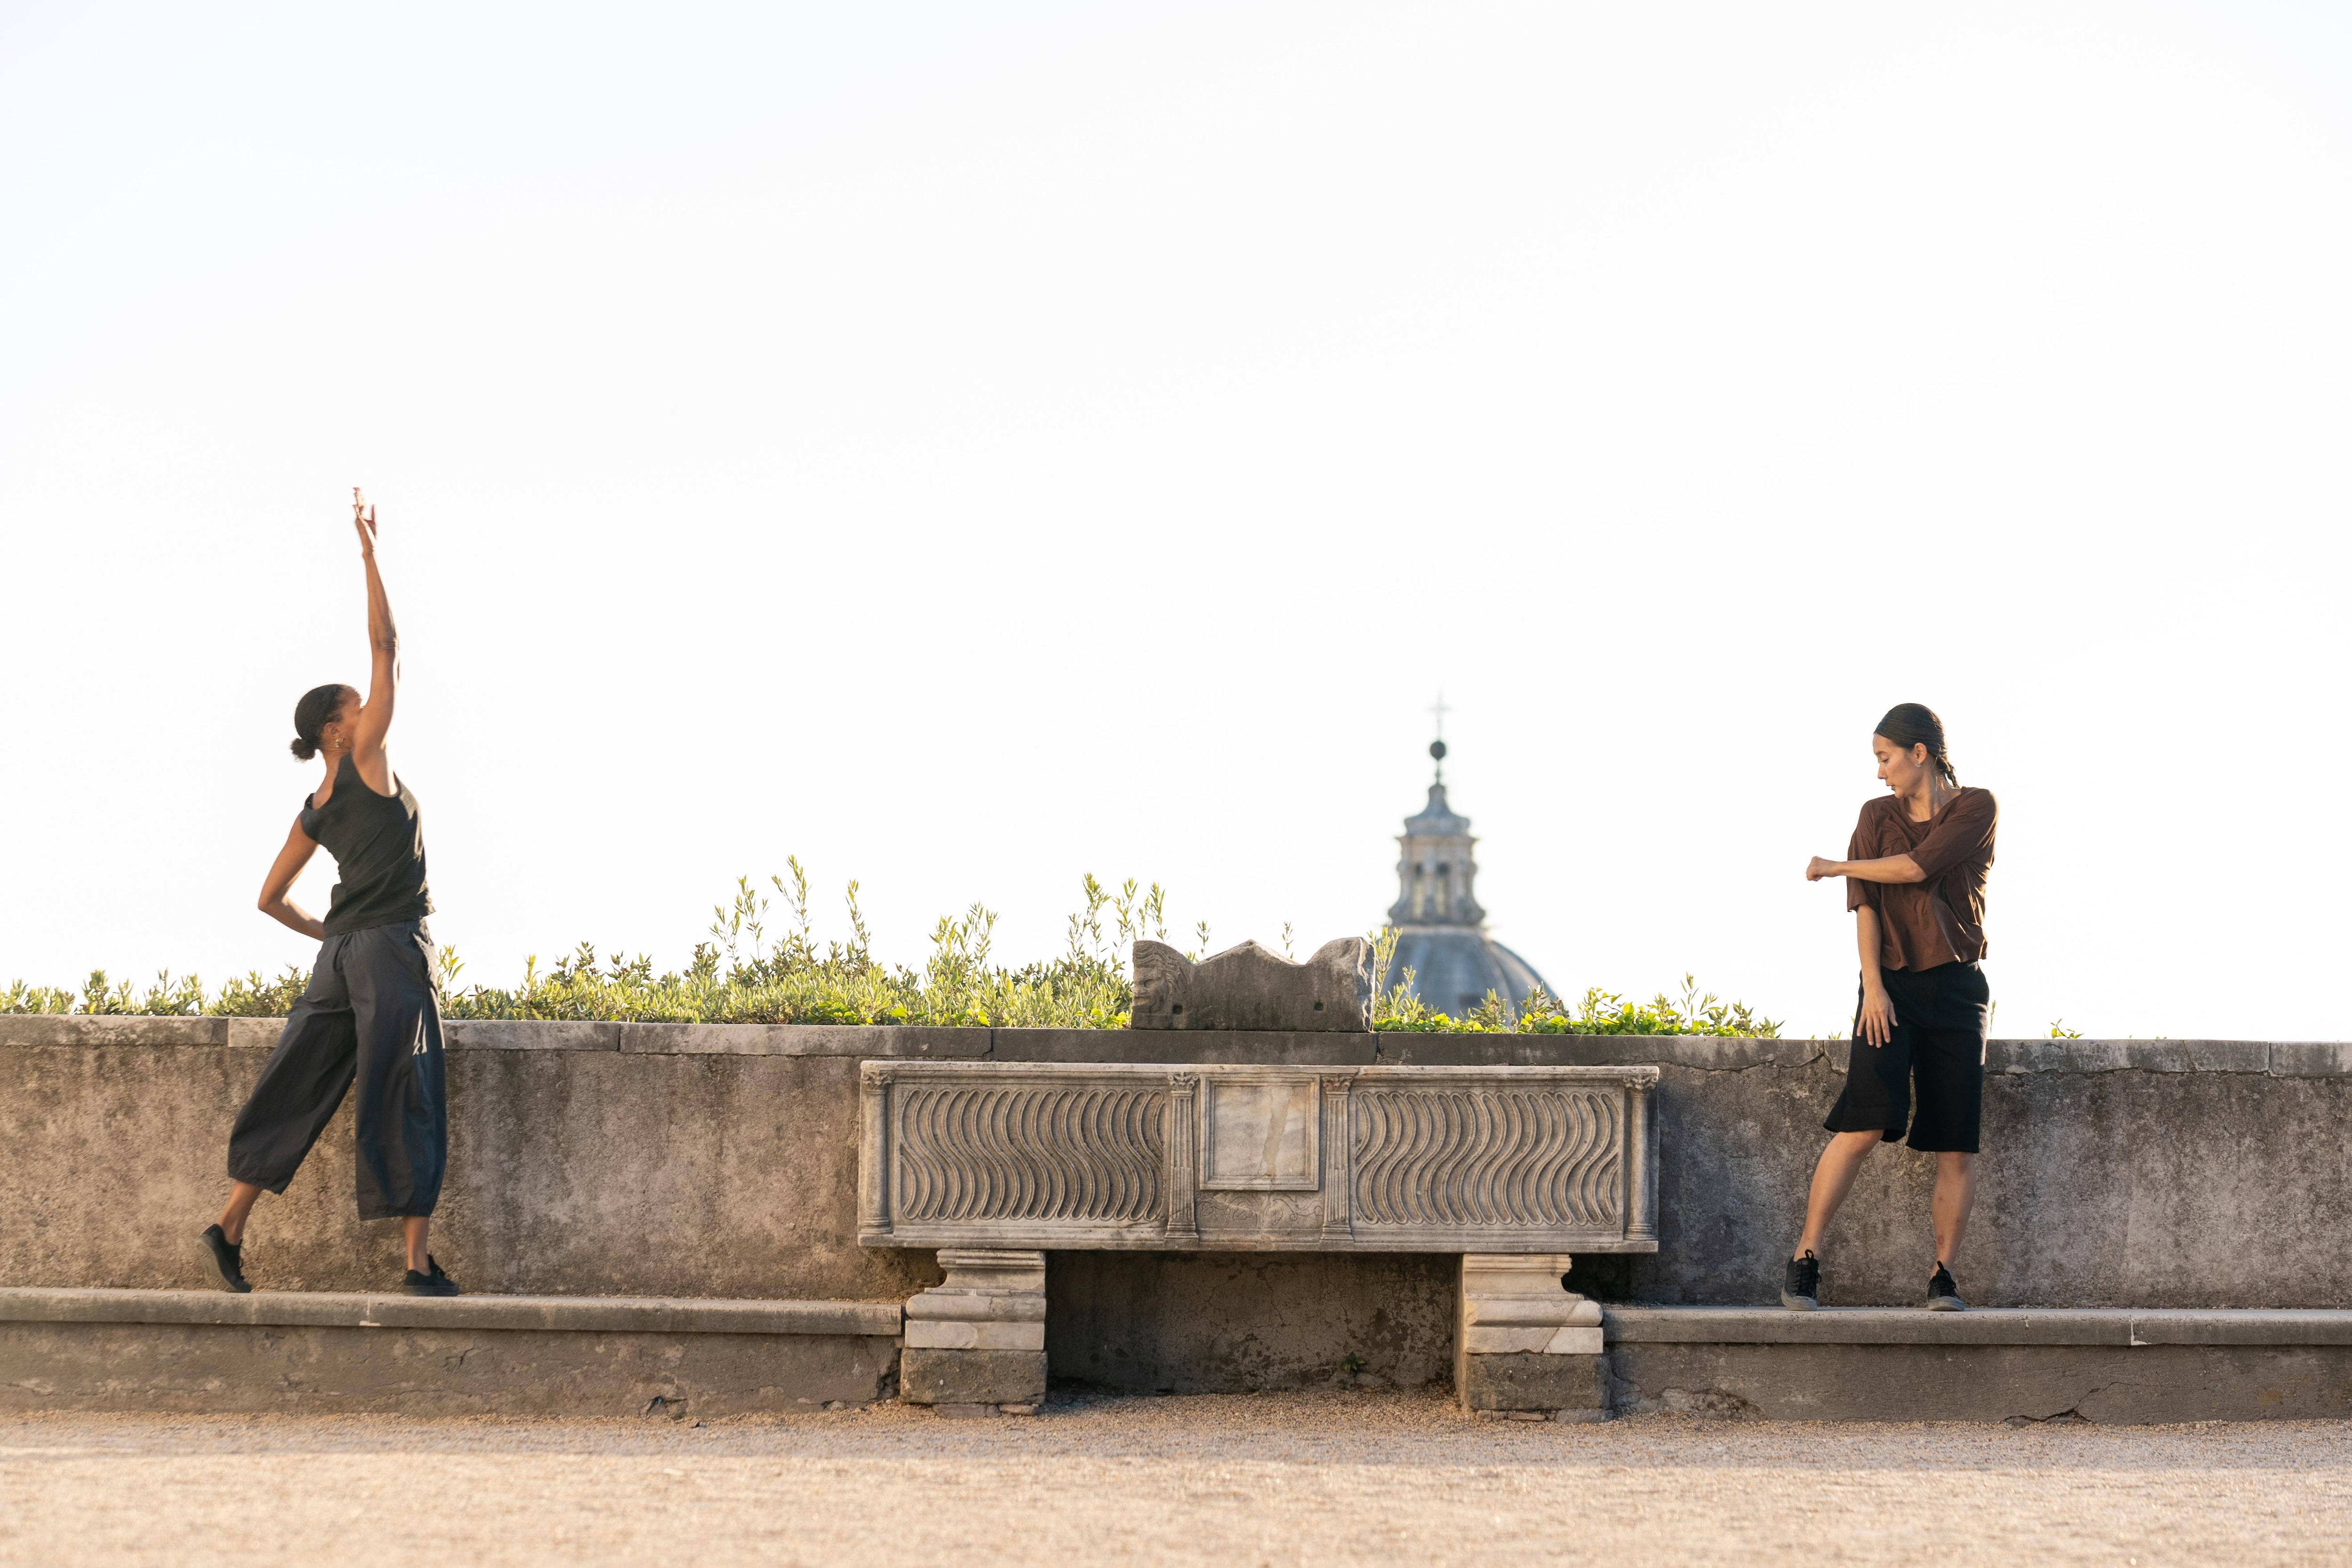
(402, 1116)
(1956, 1194)
(1834, 1176)
(304, 1080)
(416, 1229)
(241, 1196)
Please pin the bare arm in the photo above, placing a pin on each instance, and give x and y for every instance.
(299, 847)
(384, 663)
(1891, 868)
(1877, 1020)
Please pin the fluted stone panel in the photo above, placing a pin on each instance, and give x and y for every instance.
(1484, 1157)
(1245, 1157)
(1031, 1152)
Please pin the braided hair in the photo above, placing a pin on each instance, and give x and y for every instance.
(1909, 724)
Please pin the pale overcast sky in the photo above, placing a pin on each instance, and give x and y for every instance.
(969, 446)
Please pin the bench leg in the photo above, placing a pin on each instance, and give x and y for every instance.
(1524, 1344)
(976, 1344)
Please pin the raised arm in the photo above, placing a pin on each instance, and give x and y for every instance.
(1889, 868)
(383, 662)
(1963, 831)
(299, 847)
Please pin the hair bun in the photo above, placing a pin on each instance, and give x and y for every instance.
(311, 715)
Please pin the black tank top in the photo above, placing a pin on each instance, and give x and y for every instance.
(378, 843)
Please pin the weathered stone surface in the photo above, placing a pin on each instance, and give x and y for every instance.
(991, 1302)
(261, 1034)
(590, 1172)
(363, 1310)
(1256, 1158)
(963, 1335)
(1523, 1290)
(520, 1035)
(1984, 1382)
(77, 1029)
(1247, 987)
(1983, 1326)
(971, 1377)
(2094, 1189)
(454, 1371)
(1291, 1048)
(803, 1040)
(596, 1172)
(2311, 1058)
(1534, 1382)
(1221, 1323)
(1514, 1306)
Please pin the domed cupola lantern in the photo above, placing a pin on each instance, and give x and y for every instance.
(1440, 928)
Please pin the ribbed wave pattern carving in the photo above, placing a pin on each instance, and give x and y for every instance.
(1542, 1158)
(1029, 1153)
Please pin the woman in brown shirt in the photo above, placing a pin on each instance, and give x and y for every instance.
(1914, 877)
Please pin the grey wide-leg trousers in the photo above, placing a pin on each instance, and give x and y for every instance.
(370, 1014)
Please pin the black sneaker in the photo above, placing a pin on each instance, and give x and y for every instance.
(432, 1283)
(1942, 1296)
(229, 1257)
(1803, 1293)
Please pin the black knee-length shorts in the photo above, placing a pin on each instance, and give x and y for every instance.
(1937, 1043)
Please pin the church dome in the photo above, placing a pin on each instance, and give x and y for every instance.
(1440, 928)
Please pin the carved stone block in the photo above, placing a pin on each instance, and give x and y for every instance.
(1526, 1381)
(979, 1337)
(1247, 987)
(1235, 1157)
(1522, 1340)
(971, 1377)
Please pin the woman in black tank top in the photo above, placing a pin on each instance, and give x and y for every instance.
(371, 1014)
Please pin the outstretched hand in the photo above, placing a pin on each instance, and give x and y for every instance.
(364, 520)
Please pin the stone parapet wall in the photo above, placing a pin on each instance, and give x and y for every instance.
(721, 1160)
(2275, 1058)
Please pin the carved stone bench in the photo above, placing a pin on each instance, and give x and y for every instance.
(1515, 1168)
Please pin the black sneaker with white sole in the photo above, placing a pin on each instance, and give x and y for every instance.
(229, 1257)
(430, 1283)
(1802, 1293)
(1942, 1296)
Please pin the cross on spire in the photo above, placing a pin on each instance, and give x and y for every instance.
(1437, 747)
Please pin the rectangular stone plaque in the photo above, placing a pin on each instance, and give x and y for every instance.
(1259, 1133)
(1257, 1158)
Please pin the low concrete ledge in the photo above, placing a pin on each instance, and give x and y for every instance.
(1909, 1364)
(206, 1351)
(1994, 1326)
(357, 1310)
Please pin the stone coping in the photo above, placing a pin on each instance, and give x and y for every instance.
(2277, 1058)
(363, 1310)
(1982, 1326)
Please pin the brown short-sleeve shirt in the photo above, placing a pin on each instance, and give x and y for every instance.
(1942, 919)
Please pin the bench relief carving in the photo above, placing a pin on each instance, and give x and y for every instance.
(1247, 1157)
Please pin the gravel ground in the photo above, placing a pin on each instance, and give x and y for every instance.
(1275, 1477)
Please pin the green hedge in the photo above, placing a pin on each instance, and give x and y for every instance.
(740, 977)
